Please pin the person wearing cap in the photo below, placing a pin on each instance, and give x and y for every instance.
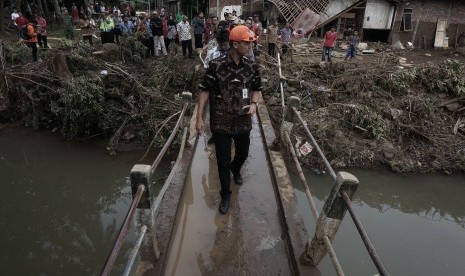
(329, 43)
(106, 28)
(232, 87)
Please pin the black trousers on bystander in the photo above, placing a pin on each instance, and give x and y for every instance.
(42, 41)
(187, 44)
(33, 46)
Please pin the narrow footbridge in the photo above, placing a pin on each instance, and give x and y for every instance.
(180, 231)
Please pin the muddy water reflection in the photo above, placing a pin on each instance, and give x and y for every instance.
(417, 223)
(62, 204)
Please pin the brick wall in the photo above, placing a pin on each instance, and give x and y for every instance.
(427, 18)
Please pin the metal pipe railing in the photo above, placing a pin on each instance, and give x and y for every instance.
(326, 240)
(123, 232)
(135, 250)
(170, 139)
(366, 240)
(364, 235)
(315, 144)
(165, 187)
(135, 202)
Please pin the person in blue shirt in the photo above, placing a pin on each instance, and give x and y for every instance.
(199, 26)
(353, 41)
(127, 27)
(151, 44)
(286, 35)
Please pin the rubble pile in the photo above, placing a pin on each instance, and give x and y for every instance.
(410, 119)
(83, 94)
(404, 109)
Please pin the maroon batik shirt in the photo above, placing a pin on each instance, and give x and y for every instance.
(226, 82)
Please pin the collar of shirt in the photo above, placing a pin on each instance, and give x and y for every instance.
(231, 61)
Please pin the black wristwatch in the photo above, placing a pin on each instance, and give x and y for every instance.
(255, 103)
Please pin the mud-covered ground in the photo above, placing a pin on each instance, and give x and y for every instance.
(402, 109)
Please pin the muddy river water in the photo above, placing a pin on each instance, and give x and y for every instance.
(417, 223)
(63, 203)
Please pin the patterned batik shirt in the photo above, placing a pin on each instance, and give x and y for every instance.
(184, 30)
(226, 81)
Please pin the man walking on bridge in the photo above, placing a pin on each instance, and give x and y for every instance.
(232, 85)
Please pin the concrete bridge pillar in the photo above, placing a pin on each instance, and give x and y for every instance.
(330, 218)
(289, 117)
(141, 175)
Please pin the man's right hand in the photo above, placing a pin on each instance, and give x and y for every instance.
(200, 126)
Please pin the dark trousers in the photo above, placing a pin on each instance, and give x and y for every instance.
(151, 46)
(33, 46)
(186, 44)
(42, 40)
(272, 49)
(111, 36)
(223, 157)
(103, 37)
(285, 49)
(198, 41)
(117, 32)
(167, 44)
(108, 37)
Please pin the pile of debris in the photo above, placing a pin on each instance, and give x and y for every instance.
(411, 119)
(83, 95)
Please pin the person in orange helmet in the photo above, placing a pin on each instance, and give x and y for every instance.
(232, 86)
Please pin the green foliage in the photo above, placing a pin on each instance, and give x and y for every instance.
(132, 48)
(368, 119)
(401, 82)
(81, 108)
(448, 77)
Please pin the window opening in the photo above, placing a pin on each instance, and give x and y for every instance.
(406, 24)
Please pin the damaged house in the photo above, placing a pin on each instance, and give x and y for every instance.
(425, 23)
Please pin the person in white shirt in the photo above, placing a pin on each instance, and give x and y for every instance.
(14, 15)
(222, 39)
(184, 32)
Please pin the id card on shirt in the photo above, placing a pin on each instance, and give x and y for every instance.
(245, 93)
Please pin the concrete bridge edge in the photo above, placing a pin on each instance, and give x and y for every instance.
(166, 217)
(294, 232)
